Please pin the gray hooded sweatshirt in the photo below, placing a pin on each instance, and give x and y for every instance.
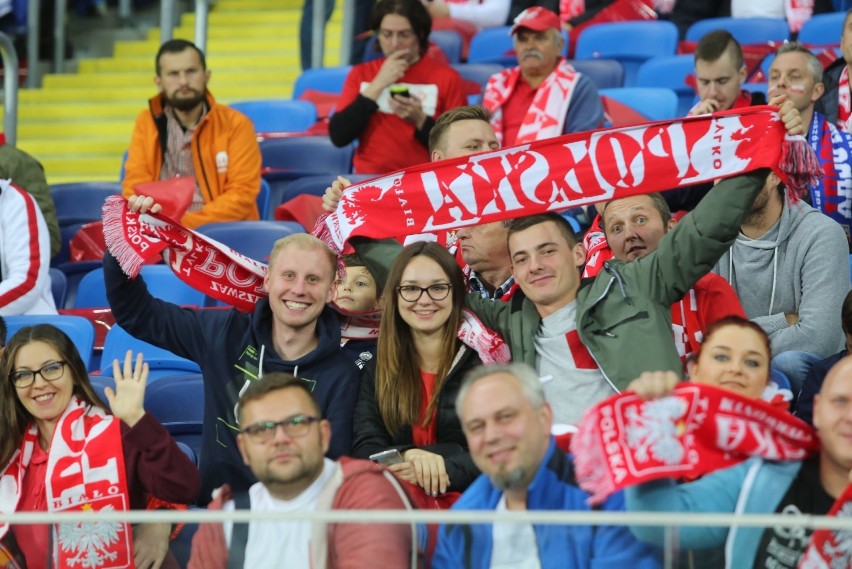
(801, 265)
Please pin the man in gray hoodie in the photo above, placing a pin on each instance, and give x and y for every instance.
(789, 266)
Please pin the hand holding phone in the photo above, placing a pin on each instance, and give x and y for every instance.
(387, 457)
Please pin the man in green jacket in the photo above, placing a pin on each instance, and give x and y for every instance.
(588, 339)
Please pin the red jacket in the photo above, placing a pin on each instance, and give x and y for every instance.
(355, 485)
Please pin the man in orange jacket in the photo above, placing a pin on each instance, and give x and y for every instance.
(185, 133)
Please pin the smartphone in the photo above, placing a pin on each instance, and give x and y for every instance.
(387, 457)
(399, 91)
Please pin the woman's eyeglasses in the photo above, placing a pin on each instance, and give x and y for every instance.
(49, 372)
(412, 293)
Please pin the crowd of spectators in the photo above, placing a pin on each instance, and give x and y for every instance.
(474, 346)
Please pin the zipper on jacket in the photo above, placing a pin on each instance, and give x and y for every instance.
(613, 271)
(608, 331)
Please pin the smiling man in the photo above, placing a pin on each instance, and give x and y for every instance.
(544, 96)
(186, 133)
(507, 423)
(283, 438)
(292, 331)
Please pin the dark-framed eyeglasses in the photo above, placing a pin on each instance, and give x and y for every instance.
(412, 293)
(50, 371)
(294, 427)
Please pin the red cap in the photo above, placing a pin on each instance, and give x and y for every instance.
(536, 19)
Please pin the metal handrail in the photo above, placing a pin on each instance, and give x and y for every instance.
(33, 31)
(59, 36)
(347, 33)
(167, 20)
(201, 10)
(318, 34)
(10, 89)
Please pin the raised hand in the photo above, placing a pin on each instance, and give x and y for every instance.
(654, 384)
(126, 401)
(333, 193)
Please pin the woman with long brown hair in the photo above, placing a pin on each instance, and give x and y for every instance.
(407, 399)
(63, 450)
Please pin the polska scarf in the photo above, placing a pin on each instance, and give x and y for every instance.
(224, 274)
(546, 115)
(568, 171)
(85, 472)
(831, 548)
(830, 191)
(626, 440)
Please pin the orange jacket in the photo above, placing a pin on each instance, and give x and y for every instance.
(224, 135)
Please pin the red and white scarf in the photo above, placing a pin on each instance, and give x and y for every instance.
(568, 171)
(224, 274)
(546, 115)
(844, 102)
(831, 548)
(85, 472)
(625, 440)
(798, 12)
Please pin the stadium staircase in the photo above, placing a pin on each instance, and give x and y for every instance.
(79, 125)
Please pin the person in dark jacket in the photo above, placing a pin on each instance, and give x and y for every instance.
(293, 331)
(408, 395)
(837, 110)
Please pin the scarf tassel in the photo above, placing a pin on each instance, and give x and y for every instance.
(800, 166)
(118, 245)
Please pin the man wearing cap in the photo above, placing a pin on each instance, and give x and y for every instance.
(543, 96)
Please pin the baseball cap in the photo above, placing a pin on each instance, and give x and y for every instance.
(536, 19)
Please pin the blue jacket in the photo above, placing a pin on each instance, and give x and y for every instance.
(232, 348)
(759, 484)
(554, 487)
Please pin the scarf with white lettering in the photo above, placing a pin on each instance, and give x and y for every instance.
(85, 472)
(831, 193)
(546, 115)
(798, 12)
(831, 548)
(625, 440)
(226, 275)
(568, 171)
(844, 101)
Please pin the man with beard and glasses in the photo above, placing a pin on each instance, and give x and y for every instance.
(544, 96)
(507, 423)
(185, 133)
(283, 439)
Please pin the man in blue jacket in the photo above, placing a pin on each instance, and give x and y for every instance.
(292, 331)
(507, 424)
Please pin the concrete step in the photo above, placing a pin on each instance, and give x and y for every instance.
(139, 95)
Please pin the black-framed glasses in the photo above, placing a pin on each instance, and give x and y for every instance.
(294, 427)
(50, 371)
(412, 293)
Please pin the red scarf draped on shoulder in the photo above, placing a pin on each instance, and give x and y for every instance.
(85, 472)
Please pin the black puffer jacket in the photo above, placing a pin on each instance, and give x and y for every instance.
(370, 435)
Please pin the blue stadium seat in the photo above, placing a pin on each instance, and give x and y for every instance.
(177, 401)
(79, 329)
(263, 199)
(780, 379)
(822, 29)
(656, 103)
(492, 45)
(450, 43)
(745, 30)
(279, 115)
(323, 79)
(631, 43)
(58, 286)
(253, 239)
(160, 279)
(671, 72)
(81, 202)
(161, 363)
(477, 72)
(303, 155)
(604, 73)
